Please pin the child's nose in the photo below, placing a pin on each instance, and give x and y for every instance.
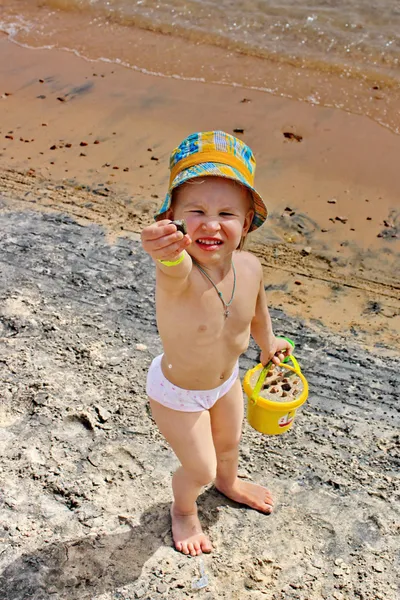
(211, 224)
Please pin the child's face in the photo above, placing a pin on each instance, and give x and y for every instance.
(218, 214)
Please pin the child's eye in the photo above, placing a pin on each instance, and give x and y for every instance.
(227, 214)
(198, 212)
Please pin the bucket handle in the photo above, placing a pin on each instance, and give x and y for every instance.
(264, 371)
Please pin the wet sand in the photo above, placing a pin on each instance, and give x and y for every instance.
(92, 140)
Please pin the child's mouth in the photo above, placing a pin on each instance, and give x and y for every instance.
(209, 244)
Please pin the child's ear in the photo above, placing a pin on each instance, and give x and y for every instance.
(248, 221)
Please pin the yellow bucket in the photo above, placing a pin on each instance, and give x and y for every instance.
(269, 416)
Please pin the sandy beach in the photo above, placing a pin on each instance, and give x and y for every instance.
(85, 476)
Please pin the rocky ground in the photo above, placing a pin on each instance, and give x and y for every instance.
(85, 476)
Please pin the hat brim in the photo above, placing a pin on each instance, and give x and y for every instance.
(217, 170)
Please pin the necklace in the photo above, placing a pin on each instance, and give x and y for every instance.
(226, 305)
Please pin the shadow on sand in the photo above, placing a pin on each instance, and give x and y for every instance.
(86, 567)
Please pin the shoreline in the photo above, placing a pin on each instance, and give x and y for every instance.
(104, 133)
(364, 89)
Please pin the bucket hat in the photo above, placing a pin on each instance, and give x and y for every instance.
(218, 154)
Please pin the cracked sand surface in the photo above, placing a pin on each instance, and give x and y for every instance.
(85, 476)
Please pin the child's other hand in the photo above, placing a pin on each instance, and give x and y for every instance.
(276, 351)
(163, 241)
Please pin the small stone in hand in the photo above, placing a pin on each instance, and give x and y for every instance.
(180, 225)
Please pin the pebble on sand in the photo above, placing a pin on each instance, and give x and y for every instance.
(293, 137)
(103, 413)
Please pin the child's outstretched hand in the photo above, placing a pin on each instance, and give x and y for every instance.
(163, 241)
(277, 351)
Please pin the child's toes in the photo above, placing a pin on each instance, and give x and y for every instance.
(197, 548)
(206, 546)
(191, 549)
(267, 508)
(185, 548)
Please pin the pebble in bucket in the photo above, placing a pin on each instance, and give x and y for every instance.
(274, 394)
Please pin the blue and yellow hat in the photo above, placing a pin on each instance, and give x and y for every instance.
(218, 154)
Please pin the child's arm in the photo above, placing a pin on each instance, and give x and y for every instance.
(165, 243)
(272, 348)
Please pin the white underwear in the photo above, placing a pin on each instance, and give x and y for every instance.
(166, 393)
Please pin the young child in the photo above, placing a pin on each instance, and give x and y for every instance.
(209, 298)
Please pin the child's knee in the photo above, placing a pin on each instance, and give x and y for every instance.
(228, 446)
(205, 474)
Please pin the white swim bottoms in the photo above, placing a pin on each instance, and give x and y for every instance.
(166, 393)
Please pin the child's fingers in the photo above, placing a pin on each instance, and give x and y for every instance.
(172, 251)
(164, 246)
(166, 241)
(278, 358)
(158, 230)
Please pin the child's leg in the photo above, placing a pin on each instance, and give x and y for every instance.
(189, 434)
(226, 423)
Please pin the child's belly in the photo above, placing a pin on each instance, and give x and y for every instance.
(203, 363)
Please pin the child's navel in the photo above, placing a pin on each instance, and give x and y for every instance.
(202, 328)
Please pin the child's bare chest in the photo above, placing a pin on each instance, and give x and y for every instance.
(206, 315)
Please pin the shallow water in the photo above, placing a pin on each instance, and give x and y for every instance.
(355, 34)
(344, 54)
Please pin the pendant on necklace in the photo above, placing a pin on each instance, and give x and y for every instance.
(226, 313)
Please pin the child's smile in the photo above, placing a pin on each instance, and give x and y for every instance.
(209, 244)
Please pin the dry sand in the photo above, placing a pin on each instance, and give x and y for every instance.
(85, 476)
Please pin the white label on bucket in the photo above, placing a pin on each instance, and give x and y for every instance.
(286, 419)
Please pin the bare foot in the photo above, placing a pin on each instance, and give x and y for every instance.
(251, 494)
(188, 535)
